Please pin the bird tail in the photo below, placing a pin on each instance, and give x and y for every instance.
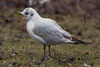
(76, 41)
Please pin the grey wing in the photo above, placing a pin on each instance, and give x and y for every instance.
(63, 32)
(52, 34)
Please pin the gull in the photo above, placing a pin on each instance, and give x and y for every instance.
(46, 30)
(43, 1)
(37, 2)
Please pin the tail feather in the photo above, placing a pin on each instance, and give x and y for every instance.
(76, 41)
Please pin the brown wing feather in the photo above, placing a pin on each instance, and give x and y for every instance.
(67, 37)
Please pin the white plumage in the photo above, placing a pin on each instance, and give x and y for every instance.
(45, 30)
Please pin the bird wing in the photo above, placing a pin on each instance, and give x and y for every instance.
(69, 38)
(65, 33)
(52, 33)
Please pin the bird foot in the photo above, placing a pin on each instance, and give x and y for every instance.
(46, 58)
(42, 60)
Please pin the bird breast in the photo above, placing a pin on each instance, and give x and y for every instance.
(30, 28)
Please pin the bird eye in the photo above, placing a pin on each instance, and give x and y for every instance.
(26, 13)
(31, 14)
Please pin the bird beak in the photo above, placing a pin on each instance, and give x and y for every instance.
(19, 12)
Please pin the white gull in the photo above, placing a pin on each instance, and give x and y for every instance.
(46, 30)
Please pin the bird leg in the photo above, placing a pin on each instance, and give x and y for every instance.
(44, 50)
(49, 50)
(46, 58)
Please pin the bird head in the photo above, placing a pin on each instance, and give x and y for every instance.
(29, 13)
